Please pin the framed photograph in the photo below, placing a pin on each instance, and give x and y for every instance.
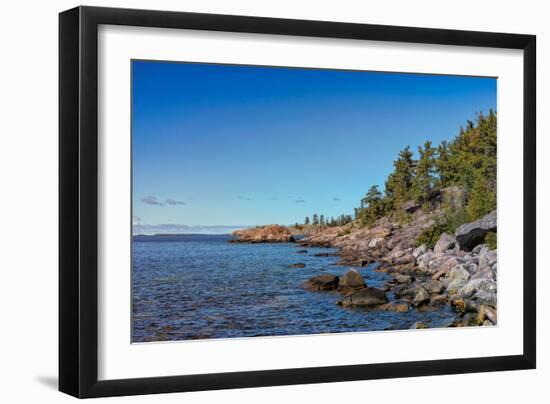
(250, 201)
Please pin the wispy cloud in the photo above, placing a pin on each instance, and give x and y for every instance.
(336, 199)
(174, 202)
(245, 198)
(151, 200)
(300, 201)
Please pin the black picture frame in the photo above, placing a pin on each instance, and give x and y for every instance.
(78, 201)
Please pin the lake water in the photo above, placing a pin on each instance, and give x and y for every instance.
(202, 286)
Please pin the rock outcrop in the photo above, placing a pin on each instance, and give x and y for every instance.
(471, 234)
(264, 234)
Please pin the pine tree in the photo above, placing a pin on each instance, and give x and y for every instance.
(442, 164)
(481, 199)
(322, 220)
(424, 179)
(398, 184)
(306, 221)
(315, 219)
(371, 206)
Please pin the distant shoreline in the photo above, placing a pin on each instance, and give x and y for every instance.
(179, 234)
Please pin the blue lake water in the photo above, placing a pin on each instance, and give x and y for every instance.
(202, 286)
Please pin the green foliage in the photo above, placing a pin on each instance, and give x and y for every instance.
(447, 223)
(491, 240)
(399, 182)
(482, 198)
(424, 180)
(322, 220)
(442, 165)
(429, 236)
(468, 161)
(371, 207)
(472, 164)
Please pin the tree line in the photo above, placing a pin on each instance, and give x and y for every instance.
(467, 161)
(321, 220)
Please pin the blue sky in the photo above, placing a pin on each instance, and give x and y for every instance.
(221, 145)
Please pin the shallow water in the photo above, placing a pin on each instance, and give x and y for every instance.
(202, 286)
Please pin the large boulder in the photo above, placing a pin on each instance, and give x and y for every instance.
(365, 297)
(351, 280)
(471, 234)
(322, 282)
(458, 272)
(445, 242)
(455, 279)
(264, 234)
(472, 286)
(486, 292)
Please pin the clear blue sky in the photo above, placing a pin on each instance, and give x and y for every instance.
(238, 145)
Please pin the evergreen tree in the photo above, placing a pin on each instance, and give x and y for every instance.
(442, 164)
(315, 220)
(322, 220)
(481, 199)
(371, 206)
(306, 221)
(399, 182)
(472, 163)
(424, 179)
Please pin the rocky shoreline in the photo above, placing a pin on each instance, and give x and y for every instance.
(458, 271)
(272, 233)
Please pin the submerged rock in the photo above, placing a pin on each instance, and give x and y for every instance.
(297, 265)
(396, 307)
(365, 297)
(322, 282)
(325, 254)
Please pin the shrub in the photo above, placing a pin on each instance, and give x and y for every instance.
(491, 240)
(447, 223)
(429, 236)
